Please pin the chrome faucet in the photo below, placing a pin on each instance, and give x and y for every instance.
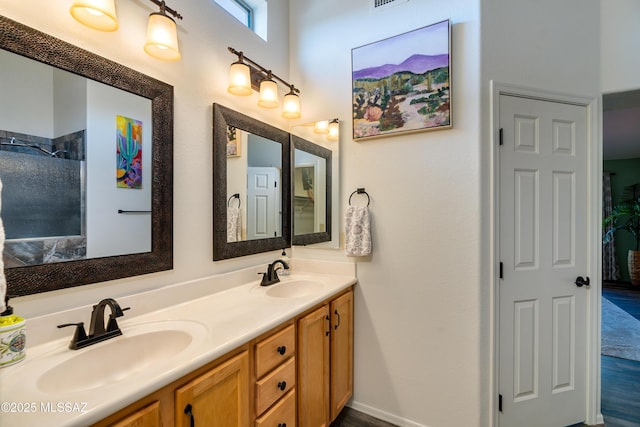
(271, 276)
(97, 330)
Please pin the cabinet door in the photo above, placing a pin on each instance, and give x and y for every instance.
(313, 369)
(149, 416)
(218, 398)
(341, 352)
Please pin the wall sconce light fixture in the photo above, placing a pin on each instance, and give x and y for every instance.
(162, 34)
(97, 14)
(334, 130)
(246, 75)
(321, 127)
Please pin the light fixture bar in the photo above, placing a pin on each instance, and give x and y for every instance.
(252, 64)
(164, 8)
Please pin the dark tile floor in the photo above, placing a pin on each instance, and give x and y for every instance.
(620, 377)
(352, 418)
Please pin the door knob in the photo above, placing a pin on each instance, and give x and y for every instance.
(581, 281)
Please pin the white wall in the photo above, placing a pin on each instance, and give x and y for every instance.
(69, 103)
(199, 80)
(417, 346)
(620, 66)
(26, 92)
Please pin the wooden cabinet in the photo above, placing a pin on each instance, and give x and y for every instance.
(149, 416)
(341, 352)
(275, 398)
(300, 374)
(325, 362)
(217, 398)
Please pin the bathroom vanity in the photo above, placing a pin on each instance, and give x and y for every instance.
(247, 355)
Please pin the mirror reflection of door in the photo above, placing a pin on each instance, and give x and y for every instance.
(254, 172)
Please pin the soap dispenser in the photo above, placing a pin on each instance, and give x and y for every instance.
(12, 337)
(285, 258)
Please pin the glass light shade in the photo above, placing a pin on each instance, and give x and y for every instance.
(239, 79)
(321, 127)
(268, 94)
(97, 14)
(334, 131)
(162, 38)
(291, 106)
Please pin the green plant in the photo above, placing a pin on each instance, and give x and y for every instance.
(625, 215)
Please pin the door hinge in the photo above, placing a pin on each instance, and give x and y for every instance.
(500, 402)
(501, 270)
(501, 136)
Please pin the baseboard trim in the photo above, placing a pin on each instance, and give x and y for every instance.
(382, 415)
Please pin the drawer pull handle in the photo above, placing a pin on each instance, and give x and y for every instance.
(282, 350)
(188, 410)
(339, 320)
(282, 424)
(282, 385)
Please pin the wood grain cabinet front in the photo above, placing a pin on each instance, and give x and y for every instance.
(218, 398)
(149, 416)
(276, 379)
(325, 362)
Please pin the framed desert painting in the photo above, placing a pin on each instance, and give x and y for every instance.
(403, 83)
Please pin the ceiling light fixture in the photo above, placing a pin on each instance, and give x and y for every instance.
(246, 75)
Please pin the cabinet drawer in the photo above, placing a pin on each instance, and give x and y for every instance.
(282, 414)
(275, 385)
(274, 350)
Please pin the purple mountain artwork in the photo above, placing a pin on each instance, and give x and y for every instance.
(416, 64)
(410, 95)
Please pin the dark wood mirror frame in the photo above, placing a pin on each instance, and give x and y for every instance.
(222, 118)
(25, 41)
(316, 150)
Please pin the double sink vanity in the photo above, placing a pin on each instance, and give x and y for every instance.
(247, 355)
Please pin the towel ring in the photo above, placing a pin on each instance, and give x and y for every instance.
(234, 196)
(360, 191)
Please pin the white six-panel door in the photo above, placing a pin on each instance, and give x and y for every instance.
(543, 249)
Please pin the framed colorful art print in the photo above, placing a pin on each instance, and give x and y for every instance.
(403, 83)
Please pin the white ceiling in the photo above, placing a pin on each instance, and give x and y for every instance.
(621, 125)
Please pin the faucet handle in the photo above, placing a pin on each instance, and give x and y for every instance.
(79, 335)
(113, 325)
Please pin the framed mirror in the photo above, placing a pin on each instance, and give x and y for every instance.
(251, 185)
(312, 172)
(143, 207)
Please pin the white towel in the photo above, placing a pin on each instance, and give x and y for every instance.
(3, 281)
(234, 224)
(357, 231)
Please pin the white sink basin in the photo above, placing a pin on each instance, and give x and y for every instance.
(294, 288)
(141, 347)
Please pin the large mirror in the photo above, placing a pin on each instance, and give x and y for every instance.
(312, 173)
(104, 149)
(251, 185)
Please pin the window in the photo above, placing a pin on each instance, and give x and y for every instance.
(251, 13)
(239, 9)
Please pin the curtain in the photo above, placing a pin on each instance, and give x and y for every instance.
(610, 270)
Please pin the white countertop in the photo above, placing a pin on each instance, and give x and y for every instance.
(221, 322)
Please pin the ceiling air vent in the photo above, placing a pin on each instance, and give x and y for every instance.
(378, 5)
